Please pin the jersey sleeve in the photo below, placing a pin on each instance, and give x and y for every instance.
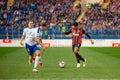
(36, 33)
(24, 32)
(83, 31)
(67, 33)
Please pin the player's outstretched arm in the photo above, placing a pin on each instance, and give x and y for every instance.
(92, 42)
(67, 33)
(83, 31)
(39, 41)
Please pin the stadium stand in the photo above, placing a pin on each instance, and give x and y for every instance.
(59, 15)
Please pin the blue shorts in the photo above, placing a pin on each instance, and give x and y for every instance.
(32, 49)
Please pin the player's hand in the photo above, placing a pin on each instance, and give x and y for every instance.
(21, 43)
(92, 42)
(43, 47)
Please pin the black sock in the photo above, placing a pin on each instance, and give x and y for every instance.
(81, 58)
(77, 57)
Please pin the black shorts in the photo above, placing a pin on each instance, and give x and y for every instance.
(76, 45)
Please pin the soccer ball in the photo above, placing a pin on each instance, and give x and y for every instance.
(62, 64)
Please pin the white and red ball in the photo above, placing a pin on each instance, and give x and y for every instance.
(62, 64)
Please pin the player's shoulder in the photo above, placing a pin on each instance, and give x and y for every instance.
(36, 28)
(26, 29)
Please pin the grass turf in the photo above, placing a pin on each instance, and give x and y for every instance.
(102, 63)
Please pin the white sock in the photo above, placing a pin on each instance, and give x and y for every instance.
(37, 59)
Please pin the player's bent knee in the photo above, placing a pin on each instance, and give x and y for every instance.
(37, 53)
(31, 56)
(75, 51)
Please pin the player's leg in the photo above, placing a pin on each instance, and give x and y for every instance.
(30, 53)
(30, 59)
(76, 55)
(76, 50)
(81, 58)
(37, 58)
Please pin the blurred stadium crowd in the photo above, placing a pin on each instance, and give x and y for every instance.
(59, 15)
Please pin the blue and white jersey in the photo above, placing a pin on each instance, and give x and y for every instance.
(38, 33)
(29, 34)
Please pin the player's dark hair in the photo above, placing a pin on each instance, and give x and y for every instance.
(75, 24)
(43, 24)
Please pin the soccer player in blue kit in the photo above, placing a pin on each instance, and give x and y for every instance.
(32, 37)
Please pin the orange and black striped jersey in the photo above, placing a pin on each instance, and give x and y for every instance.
(77, 35)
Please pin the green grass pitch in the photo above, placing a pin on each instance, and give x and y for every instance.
(102, 63)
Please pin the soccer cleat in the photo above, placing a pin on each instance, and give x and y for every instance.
(78, 65)
(41, 64)
(84, 63)
(35, 70)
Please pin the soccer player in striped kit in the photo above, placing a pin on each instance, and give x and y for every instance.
(77, 33)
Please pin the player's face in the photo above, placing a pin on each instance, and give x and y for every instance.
(43, 28)
(74, 27)
(30, 24)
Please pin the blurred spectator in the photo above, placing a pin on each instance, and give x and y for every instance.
(63, 28)
(57, 13)
(101, 20)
